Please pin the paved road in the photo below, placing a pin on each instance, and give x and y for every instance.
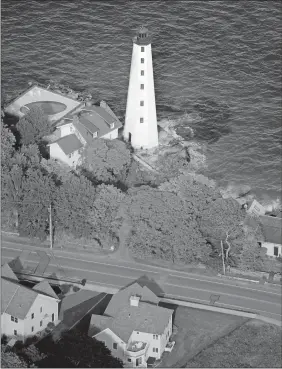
(264, 300)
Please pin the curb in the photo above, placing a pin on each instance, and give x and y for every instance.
(211, 308)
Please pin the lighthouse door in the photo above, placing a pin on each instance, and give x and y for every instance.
(129, 137)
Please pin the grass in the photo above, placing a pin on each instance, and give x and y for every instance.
(253, 345)
(195, 329)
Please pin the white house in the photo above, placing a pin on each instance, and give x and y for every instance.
(256, 208)
(26, 311)
(66, 149)
(75, 131)
(272, 230)
(133, 326)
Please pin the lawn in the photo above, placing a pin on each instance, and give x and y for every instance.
(195, 330)
(253, 345)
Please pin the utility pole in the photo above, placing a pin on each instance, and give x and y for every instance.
(222, 256)
(50, 227)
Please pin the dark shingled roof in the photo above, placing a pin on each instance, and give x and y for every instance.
(83, 131)
(75, 299)
(45, 288)
(145, 318)
(122, 318)
(272, 229)
(97, 119)
(121, 298)
(69, 144)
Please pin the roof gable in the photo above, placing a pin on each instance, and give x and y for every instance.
(7, 272)
(68, 144)
(44, 288)
(121, 298)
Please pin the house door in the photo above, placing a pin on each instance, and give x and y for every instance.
(52, 317)
(138, 361)
(129, 137)
(275, 251)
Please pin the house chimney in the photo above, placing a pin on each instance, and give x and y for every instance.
(134, 300)
(89, 103)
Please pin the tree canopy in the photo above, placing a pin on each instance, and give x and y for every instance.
(164, 227)
(33, 126)
(105, 160)
(78, 350)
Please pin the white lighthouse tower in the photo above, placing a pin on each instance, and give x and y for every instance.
(140, 127)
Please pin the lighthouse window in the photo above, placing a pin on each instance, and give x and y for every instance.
(142, 73)
(142, 86)
(141, 103)
(141, 120)
(142, 49)
(142, 60)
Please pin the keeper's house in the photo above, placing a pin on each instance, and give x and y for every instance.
(77, 130)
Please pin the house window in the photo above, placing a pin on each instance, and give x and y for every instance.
(137, 332)
(275, 251)
(142, 49)
(32, 316)
(15, 332)
(53, 316)
(142, 86)
(94, 134)
(141, 120)
(155, 336)
(115, 346)
(155, 349)
(32, 329)
(142, 60)
(141, 103)
(13, 319)
(112, 125)
(129, 360)
(41, 309)
(142, 73)
(40, 323)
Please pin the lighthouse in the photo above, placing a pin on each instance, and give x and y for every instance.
(140, 127)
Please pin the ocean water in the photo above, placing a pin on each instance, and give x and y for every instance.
(220, 60)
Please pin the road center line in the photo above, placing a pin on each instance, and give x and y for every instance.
(221, 293)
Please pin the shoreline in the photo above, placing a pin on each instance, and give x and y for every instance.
(241, 192)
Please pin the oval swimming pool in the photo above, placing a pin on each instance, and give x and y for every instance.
(48, 107)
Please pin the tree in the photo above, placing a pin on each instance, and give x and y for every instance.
(105, 160)
(38, 192)
(11, 194)
(73, 206)
(222, 219)
(191, 189)
(11, 360)
(80, 350)
(34, 126)
(8, 141)
(164, 227)
(105, 217)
